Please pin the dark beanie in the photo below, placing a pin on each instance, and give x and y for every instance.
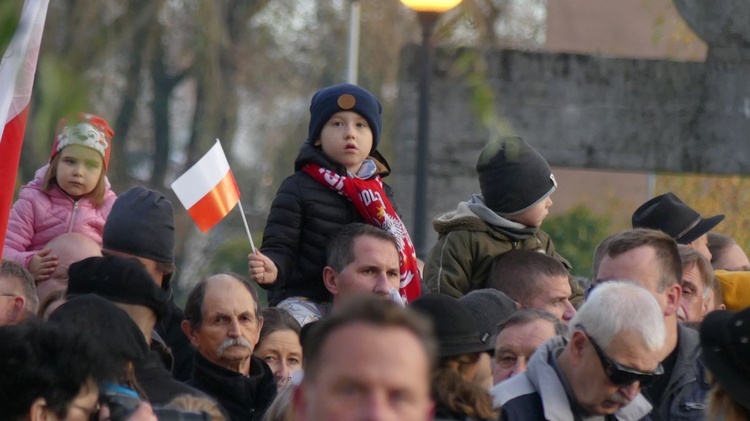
(344, 97)
(115, 332)
(513, 176)
(141, 223)
(118, 279)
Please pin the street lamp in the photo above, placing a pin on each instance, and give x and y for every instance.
(429, 12)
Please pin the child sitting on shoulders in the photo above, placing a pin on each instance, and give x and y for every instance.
(337, 181)
(69, 194)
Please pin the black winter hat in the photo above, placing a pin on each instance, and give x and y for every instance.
(513, 176)
(344, 97)
(141, 223)
(669, 214)
(489, 307)
(113, 329)
(455, 328)
(118, 279)
(725, 342)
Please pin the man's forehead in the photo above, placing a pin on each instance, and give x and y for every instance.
(372, 248)
(227, 292)
(630, 264)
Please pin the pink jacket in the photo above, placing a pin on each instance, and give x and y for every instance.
(38, 216)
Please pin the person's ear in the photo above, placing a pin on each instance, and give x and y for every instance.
(577, 344)
(329, 280)
(19, 305)
(189, 331)
(39, 410)
(674, 295)
(317, 142)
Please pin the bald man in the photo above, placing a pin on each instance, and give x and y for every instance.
(69, 248)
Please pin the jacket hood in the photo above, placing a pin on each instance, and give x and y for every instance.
(474, 215)
(308, 153)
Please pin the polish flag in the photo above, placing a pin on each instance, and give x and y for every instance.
(17, 69)
(208, 190)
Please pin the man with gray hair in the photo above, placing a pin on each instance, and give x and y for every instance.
(614, 349)
(223, 321)
(18, 299)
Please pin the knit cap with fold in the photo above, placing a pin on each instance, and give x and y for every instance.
(344, 97)
(513, 176)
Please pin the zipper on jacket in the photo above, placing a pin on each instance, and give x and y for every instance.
(73, 216)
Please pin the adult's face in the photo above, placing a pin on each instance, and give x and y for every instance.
(515, 344)
(230, 327)
(553, 296)
(639, 265)
(693, 300)
(593, 390)
(732, 258)
(282, 352)
(368, 373)
(375, 269)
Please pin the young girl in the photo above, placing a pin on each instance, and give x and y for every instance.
(337, 181)
(70, 194)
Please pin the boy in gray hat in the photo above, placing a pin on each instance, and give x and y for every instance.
(516, 183)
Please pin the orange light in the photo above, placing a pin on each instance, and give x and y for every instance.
(438, 6)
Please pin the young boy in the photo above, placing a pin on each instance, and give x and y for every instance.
(337, 181)
(516, 184)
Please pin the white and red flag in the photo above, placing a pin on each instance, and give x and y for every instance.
(208, 189)
(17, 69)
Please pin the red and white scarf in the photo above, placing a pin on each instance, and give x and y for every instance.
(371, 202)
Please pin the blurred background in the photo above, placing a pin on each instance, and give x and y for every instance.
(171, 76)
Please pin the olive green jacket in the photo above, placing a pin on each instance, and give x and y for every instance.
(461, 260)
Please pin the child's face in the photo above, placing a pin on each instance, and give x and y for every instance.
(533, 216)
(78, 170)
(347, 139)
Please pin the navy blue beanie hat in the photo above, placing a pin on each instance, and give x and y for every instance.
(344, 97)
(141, 223)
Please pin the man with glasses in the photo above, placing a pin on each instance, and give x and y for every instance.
(18, 299)
(651, 259)
(614, 349)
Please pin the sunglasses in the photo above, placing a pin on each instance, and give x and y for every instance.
(619, 374)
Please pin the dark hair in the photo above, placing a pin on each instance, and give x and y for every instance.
(517, 273)
(370, 310)
(451, 390)
(46, 361)
(276, 319)
(665, 247)
(194, 303)
(528, 315)
(717, 243)
(340, 249)
(25, 280)
(96, 196)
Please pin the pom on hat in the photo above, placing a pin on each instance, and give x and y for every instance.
(118, 279)
(513, 176)
(85, 130)
(141, 223)
(344, 97)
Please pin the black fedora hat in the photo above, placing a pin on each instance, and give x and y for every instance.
(455, 329)
(671, 215)
(725, 340)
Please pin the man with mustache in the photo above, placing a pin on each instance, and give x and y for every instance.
(614, 349)
(223, 321)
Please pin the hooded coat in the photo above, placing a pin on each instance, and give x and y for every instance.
(304, 215)
(40, 215)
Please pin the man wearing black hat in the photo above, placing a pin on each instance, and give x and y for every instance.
(613, 351)
(125, 283)
(671, 215)
(651, 259)
(141, 225)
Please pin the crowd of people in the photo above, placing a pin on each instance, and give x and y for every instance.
(491, 326)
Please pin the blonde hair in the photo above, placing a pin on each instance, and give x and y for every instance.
(96, 196)
(282, 407)
(197, 404)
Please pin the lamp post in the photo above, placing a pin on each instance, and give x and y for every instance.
(429, 12)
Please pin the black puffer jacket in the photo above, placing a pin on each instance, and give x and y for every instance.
(304, 214)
